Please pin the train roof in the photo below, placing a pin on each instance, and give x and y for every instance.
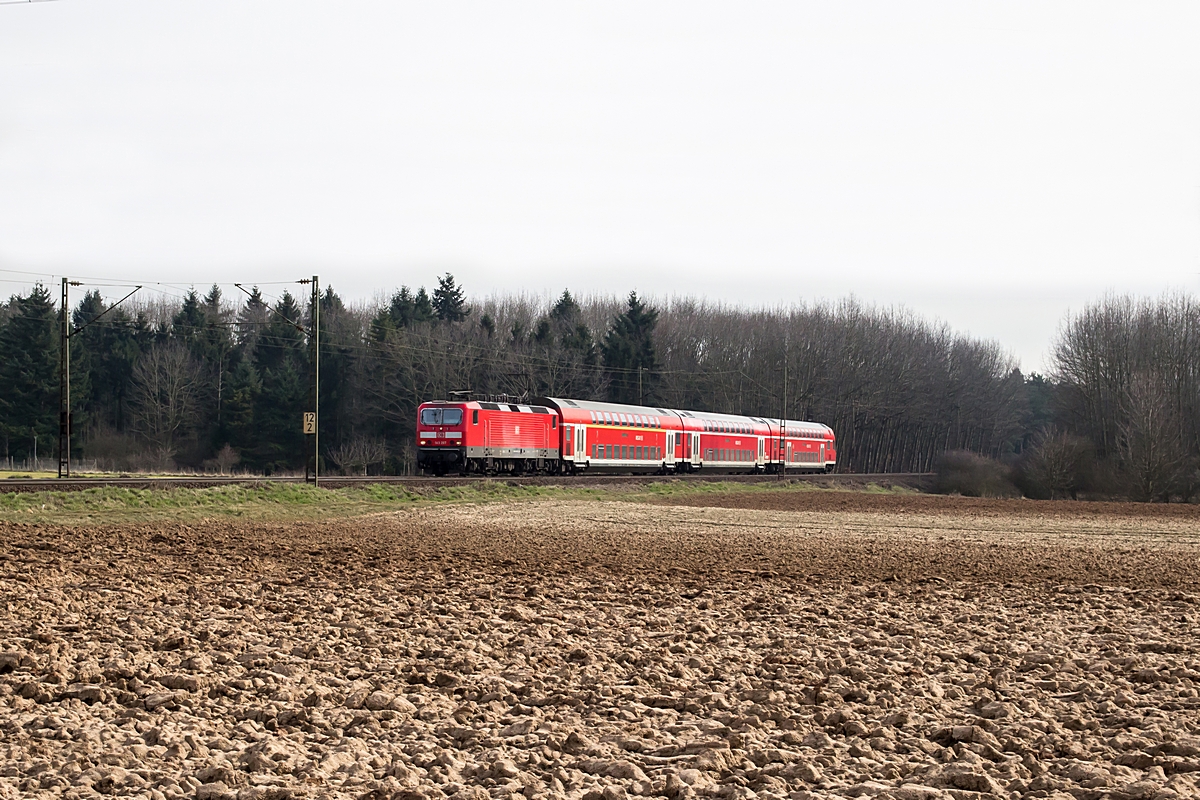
(612, 408)
(576, 411)
(808, 427)
(566, 406)
(717, 417)
(667, 417)
(527, 408)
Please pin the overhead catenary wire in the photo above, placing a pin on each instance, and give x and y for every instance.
(489, 359)
(96, 318)
(155, 285)
(375, 347)
(274, 310)
(481, 353)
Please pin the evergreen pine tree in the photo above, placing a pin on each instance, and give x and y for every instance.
(628, 350)
(399, 313)
(104, 351)
(250, 320)
(422, 307)
(88, 376)
(281, 359)
(573, 332)
(29, 375)
(187, 326)
(278, 417)
(579, 339)
(449, 301)
(566, 310)
(340, 336)
(241, 400)
(215, 337)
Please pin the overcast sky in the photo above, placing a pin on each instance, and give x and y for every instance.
(993, 164)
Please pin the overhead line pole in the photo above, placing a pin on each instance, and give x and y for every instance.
(310, 419)
(64, 383)
(316, 378)
(312, 423)
(783, 411)
(65, 419)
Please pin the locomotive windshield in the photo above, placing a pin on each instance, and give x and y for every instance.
(441, 416)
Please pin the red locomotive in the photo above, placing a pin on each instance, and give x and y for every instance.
(556, 436)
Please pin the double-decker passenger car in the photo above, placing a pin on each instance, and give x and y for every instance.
(555, 435)
(607, 437)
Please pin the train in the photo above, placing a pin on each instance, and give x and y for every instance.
(556, 436)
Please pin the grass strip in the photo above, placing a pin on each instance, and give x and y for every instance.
(292, 501)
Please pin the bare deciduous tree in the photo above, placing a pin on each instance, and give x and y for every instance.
(165, 384)
(1149, 439)
(226, 459)
(355, 456)
(1128, 372)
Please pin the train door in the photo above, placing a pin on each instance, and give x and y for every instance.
(580, 443)
(760, 451)
(568, 441)
(695, 448)
(822, 454)
(788, 460)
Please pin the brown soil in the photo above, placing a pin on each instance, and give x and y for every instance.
(827, 646)
(936, 504)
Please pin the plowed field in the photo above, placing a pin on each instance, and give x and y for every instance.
(801, 644)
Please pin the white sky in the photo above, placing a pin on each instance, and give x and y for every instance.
(992, 165)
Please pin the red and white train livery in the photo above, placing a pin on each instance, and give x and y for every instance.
(558, 436)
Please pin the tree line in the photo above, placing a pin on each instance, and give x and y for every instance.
(207, 383)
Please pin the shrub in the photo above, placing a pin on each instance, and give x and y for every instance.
(1058, 464)
(972, 475)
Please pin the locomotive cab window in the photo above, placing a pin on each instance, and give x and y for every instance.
(554, 422)
(441, 416)
(475, 417)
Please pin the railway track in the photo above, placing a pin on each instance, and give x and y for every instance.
(911, 480)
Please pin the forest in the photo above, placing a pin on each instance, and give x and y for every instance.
(206, 382)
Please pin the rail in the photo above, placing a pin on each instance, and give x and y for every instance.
(913, 480)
